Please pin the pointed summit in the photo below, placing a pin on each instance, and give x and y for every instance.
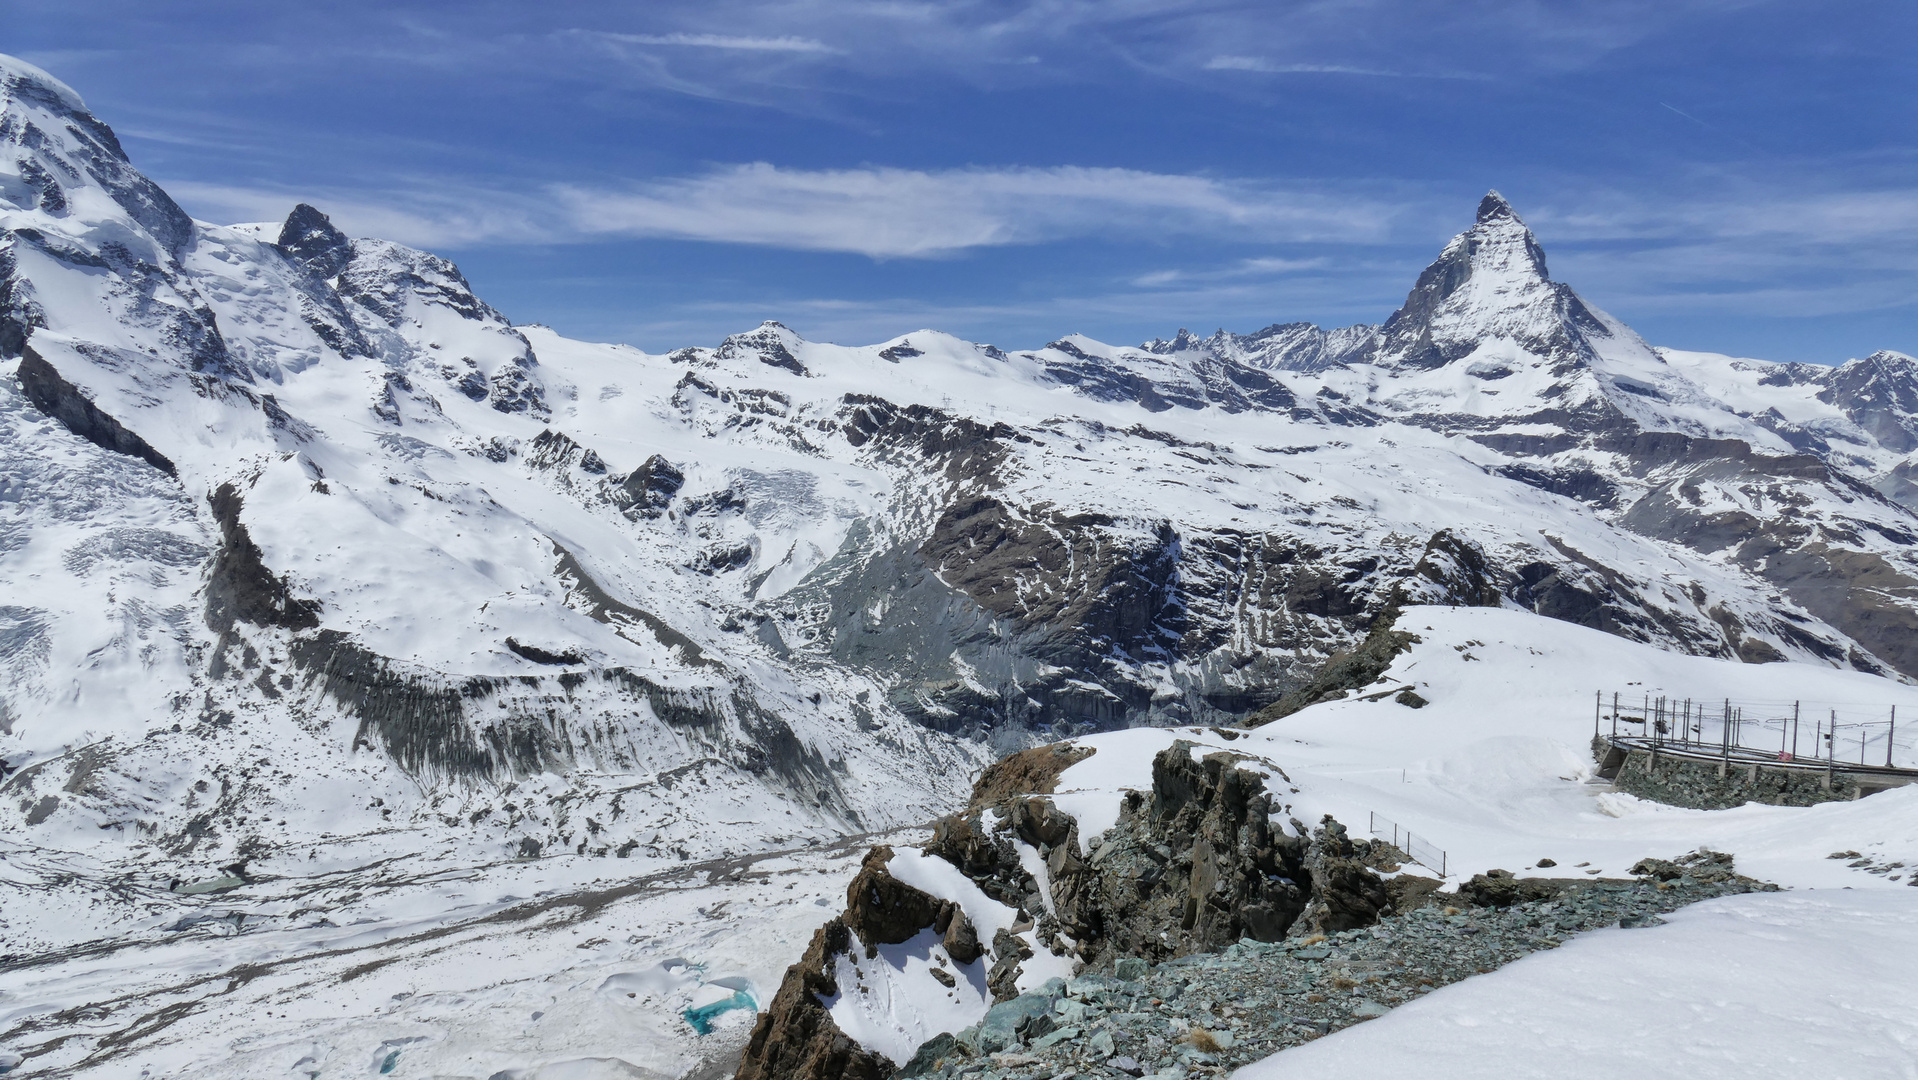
(1493, 207)
(310, 238)
(1490, 282)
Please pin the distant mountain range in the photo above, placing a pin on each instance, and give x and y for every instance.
(288, 518)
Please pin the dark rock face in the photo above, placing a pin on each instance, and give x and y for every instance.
(1054, 615)
(1345, 671)
(883, 910)
(542, 656)
(52, 394)
(766, 345)
(20, 314)
(309, 239)
(1068, 571)
(1880, 395)
(1193, 866)
(240, 588)
(1454, 571)
(795, 1038)
(648, 490)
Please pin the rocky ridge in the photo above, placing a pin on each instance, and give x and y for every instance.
(1206, 1014)
(1202, 934)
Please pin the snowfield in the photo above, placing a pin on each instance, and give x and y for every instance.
(1498, 769)
(1796, 984)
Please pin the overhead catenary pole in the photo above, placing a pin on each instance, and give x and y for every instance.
(1794, 730)
(1614, 713)
(1889, 732)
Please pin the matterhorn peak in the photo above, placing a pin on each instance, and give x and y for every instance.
(1490, 282)
(1493, 207)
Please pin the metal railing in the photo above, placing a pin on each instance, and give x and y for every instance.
(1417, 849)
(1786, 731)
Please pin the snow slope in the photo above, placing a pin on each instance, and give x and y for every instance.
(1765, 984)
(1498, 769)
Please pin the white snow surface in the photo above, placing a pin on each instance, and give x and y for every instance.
(891, 1003)
(1795, 984)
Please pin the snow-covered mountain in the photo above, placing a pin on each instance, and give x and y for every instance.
(304, 546)
(270, 479)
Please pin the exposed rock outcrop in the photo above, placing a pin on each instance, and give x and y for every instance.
(1344, 672)
(1195, 864)
(52, 394)
(796, 1038)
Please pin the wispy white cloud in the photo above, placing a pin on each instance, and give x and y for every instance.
(883, 213)
(1244, 268)
(1265, 66)
(1752, 252)
(784, 43)
(905, 213)
(422, 217)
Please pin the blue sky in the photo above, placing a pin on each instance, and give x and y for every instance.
(1741, 177)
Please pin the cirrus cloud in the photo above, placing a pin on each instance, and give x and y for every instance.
(785, 43)
(908, 213)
